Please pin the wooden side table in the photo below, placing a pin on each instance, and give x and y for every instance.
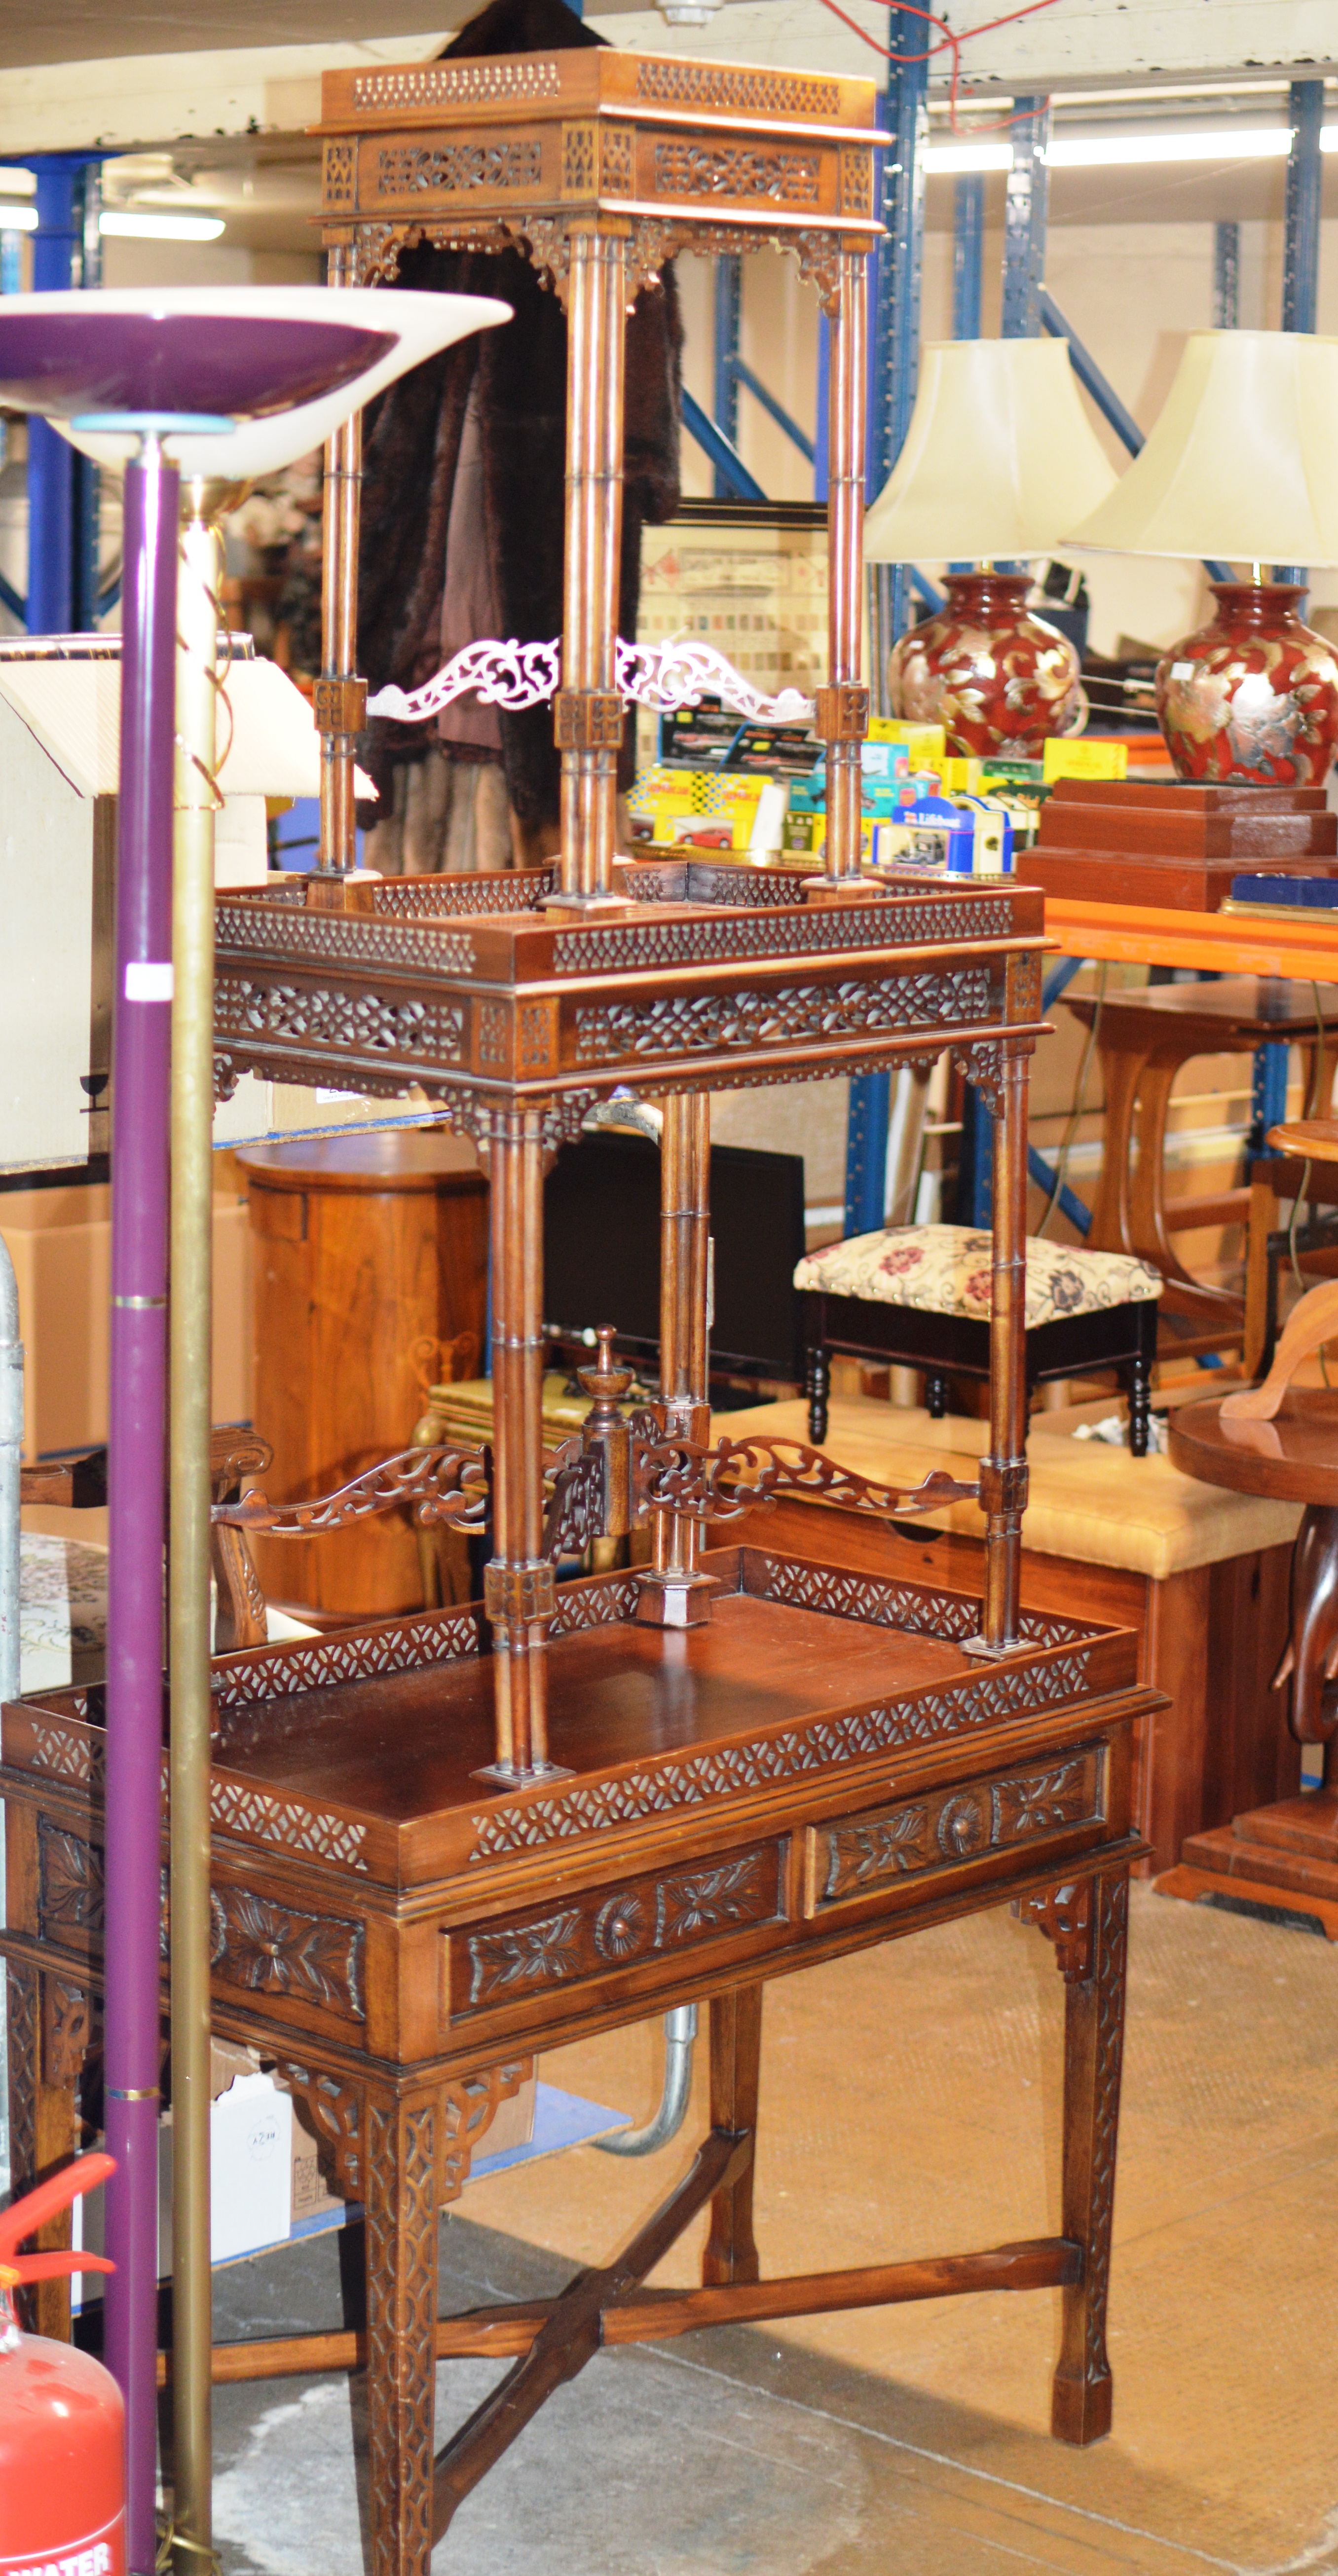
(363, 1245)
(1284, 1855)
(1143, 1040)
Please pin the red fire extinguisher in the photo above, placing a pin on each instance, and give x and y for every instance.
(62, 2422)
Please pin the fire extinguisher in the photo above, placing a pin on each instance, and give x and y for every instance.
(62, 2422)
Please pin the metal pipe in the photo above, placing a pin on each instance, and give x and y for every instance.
(190, 1337)
(137, 1427)
(680, 2032)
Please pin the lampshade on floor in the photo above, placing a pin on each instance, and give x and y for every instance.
(998, 450)
(1242, 466)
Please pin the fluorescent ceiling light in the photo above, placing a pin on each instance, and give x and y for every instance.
(162, 227)
(1214, 143)
(962, 157)
(18, 183)
(17, 219)
(1111, 151)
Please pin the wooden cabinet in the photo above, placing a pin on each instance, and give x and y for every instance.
(362, 1246)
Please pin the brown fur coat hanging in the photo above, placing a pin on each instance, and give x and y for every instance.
(413, 440)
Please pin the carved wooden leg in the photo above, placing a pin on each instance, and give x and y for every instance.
(401, 2203)
(1088, 1921)
(65, 2025)
(736, 2049)
(22, 2024)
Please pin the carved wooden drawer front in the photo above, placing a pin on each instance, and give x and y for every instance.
(614, 1927)
(864, 1855)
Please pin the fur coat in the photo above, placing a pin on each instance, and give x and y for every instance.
(519, 374)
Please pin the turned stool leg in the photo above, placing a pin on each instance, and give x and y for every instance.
(401, 2201)
(736, 2049)
(1138, 1380)
(936, 1398)
(819, 1380)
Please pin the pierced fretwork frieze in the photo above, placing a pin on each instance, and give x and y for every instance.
(441, 1485)
(745, 1475)
(790, 1015)
(987, 1697)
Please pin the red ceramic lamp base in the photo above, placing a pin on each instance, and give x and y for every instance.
(1254, 695)
(998, 679)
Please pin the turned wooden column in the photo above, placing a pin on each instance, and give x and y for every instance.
(843, 705)
(588, 710)
(1003, 1474)
(674, 1593)
(340, 700)
(518, 1584)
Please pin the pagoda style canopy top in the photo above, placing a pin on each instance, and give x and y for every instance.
(492, 149)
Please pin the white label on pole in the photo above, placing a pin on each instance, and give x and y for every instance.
(147, 982)
(1182, 670)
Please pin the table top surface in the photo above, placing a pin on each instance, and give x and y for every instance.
(1314, 1139)
(1294, 1457)
(1246, 1007)
(391, 1158)
(367, 1746)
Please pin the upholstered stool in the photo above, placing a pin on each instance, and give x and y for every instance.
(919, 1297)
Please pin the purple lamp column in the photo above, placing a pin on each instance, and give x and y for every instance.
(136, 1464)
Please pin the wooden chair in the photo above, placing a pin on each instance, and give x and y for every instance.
(80, 1484)
(919, 1297)
(1144, 1039)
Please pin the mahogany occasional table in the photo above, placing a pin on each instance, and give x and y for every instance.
(442, 1843)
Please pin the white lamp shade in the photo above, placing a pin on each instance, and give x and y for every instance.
(1243, 461)
(423, 324)
(999, 460)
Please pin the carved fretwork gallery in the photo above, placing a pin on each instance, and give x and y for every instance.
(443, 1843)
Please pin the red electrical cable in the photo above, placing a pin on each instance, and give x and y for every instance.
(950, 41)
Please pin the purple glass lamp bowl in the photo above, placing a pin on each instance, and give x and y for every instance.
(68, 363)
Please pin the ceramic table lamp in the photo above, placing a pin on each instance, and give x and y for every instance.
(1242, 467)
(999, 460)
(220, 385)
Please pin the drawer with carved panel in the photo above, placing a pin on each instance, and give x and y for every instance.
(854, 1859)
(636, 1922)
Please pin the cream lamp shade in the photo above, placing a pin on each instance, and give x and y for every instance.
(999, 461)
(1242, 465)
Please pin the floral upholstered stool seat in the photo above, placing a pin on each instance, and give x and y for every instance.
(919, 1297)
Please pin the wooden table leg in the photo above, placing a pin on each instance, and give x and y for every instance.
(401, 2205)
(736, 2050)
(1111, 1228)
(1087, 1919)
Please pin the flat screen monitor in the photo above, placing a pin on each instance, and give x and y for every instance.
(602, 1252)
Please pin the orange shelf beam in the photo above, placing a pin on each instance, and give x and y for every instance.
(1214, 942)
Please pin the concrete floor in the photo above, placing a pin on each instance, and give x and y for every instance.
(909, 2104)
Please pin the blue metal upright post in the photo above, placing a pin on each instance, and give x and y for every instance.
(896, 357)
(1226, 277)
(62, 535)
(1026, 209)
(897, 265)
(725, 389)
(1300, 263)
(968, 245)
